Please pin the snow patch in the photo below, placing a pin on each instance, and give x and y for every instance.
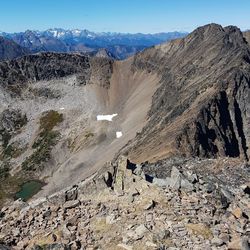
(105, 117)
(62, 108)
(118, 134)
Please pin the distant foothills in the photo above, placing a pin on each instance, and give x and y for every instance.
(118, 45)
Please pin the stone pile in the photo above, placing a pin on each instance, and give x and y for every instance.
(120, 209)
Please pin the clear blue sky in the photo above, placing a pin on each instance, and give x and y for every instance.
(147, 16)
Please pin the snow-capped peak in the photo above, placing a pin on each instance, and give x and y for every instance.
(76, 32)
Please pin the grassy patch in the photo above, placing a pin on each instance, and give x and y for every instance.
(44, 143)
(50, 120)
(42, 151)
(80, 140)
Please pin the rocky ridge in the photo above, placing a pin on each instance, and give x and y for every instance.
(48, 66)
(125, 206)
(201, 107)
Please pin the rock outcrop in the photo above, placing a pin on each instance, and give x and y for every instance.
(247, 36)
(48, 66)
(119, 208)
(202, 106)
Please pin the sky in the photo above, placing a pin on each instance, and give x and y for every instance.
(132, 16)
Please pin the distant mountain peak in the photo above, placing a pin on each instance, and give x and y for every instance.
(10, 50)
(121, 45)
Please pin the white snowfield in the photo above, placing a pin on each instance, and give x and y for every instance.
(105, 117)
(118, 134)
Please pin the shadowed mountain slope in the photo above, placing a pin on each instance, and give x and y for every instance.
(201, 107)
(10, 50)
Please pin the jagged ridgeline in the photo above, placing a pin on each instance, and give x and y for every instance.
(48, 66)
(201, 107)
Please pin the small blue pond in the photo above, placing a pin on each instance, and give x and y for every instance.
(28, 189)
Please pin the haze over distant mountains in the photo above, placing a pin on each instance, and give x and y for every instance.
(120, 45)
(9, 49)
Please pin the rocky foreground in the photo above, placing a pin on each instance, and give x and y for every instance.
(127, 206)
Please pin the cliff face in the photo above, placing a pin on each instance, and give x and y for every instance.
(47, 66)
(246, 34)
(201, 107)
(221, 128)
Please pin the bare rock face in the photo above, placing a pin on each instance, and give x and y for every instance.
(47, 66)
(201, 107)
(247, 36)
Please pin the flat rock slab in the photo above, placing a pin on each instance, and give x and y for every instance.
(71, 204)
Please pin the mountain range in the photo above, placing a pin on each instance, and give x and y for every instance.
(10, 50)
(60, 40)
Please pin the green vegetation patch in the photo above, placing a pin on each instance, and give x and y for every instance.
(9, 184)
(4, 171)
(50, 120)
(13, 150)
(43, 146)
(44, 143)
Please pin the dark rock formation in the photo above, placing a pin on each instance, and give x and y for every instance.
(47, 66)
(201, 107)
(44, 66)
